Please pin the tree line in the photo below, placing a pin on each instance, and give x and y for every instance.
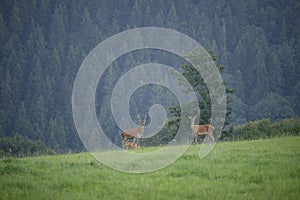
(44, 42)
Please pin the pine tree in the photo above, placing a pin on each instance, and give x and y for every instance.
(57, 34)
(275, 73)
(3, 34)
(22, 125)
(200, 88)
(172, 18)
(7, 109)
(261, 84)
(273, 106)
(15, 23)
(89, 32)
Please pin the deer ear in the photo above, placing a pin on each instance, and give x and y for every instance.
(139, 118)
(145, 117)
(190, 117)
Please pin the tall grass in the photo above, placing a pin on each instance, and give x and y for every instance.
(258, 169)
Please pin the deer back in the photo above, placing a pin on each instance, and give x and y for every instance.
(203, 129)
(133, 133)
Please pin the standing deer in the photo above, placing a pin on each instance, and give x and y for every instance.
(134, 133)
(206, 129)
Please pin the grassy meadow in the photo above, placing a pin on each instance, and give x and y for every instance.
(259, 169)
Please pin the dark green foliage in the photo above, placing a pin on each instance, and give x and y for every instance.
(264, 128)
(21, 146)
(166, 134)
(44, 42)
(273, 106)
(192, 75)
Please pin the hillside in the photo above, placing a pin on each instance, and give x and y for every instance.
(261, 169)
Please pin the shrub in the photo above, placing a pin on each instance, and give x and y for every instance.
(21, 146)
(261, 129)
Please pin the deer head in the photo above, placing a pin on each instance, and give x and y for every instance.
(142, 122)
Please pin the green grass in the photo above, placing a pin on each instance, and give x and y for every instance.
(261, 169)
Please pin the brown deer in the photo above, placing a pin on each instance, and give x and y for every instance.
(134, 133)
(206, 129)
(132, 145)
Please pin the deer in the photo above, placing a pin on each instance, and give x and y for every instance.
(132, 145)
(206, 129)
(134, 133)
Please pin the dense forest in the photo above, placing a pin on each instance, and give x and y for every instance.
(44, 42)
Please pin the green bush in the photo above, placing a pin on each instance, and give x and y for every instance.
(21, 146)
(264, 128)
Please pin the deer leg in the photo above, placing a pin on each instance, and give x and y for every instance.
(126, 146)
(124, 142)
(211, 138)
(195, 139)
(137, 141)
(210, 131)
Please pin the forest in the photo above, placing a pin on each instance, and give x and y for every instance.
(43, 44)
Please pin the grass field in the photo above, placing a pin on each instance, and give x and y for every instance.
(261, 169)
